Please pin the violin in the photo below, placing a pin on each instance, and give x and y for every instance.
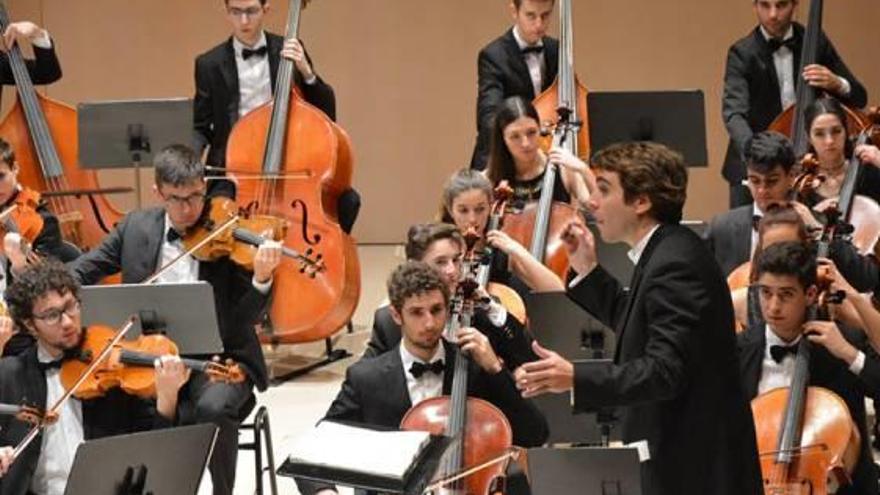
(129, 364)
(480, 431)
(224, 232)
(21, 217)
(508, 297)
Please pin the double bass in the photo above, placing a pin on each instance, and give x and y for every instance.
(791, 122)
(293, 162)
(43, 134)
(562, 107)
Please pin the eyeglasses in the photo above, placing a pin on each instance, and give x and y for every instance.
(52, 317)
(193, 200)
(248, 12)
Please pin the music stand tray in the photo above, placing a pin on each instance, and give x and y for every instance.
(585, 470)
(126, 133)
(674, 118)
(186, 311)
(174, 458)
(414, 483)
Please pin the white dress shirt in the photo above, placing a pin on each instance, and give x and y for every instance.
(60, 440)
(635, 254)
(427, 386)
(254, 76)
(534, 61)
(775, 375)
(185, 270)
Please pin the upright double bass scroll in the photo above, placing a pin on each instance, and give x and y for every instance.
(293, 162)
(43, 134)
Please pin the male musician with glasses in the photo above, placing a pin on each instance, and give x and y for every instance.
(761, 79)
(521, 62)
(841, 359)
(44, 299)
(239, 75)
(44, 68)
(148, 239)
(422, 366)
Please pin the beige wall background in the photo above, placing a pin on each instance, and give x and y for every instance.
(404, 72)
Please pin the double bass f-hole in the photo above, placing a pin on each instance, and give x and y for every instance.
(311, 241)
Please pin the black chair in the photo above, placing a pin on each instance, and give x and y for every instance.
(262, 435)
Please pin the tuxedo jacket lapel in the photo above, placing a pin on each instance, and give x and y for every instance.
(517, 62)
(742, 235)
(394, 376)
(551, 61)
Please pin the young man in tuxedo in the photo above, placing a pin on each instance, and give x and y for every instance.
(841, 360)
(674, 374)
(44, 68)
(44, 299)
(441, 246)
(146, 240)
(521, 62)
(239, 75)
(421, 366)
(733, 236)
(761, 79)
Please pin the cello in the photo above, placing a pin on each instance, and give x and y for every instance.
(293, 162)
(43, 133)
(481, 435)
(805, 434)
(562, 107)
(791, 121)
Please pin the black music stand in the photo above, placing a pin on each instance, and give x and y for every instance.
(559, 324)
(585, 470)
(674, 118)
(171, 461)
(161, 308)
(126, 133)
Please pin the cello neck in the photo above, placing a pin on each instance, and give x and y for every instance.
(281, 107)
(805, 93)
(790, 434)
(455, 427)
(47, 155)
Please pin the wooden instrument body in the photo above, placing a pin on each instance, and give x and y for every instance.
(547, 103)
(520, 226)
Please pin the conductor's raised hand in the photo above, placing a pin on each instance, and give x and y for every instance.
(552, 373)
(581, 247)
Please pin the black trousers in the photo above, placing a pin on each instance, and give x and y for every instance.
(204, 401)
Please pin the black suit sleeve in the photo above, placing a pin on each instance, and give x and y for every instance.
(512, 342)
(601, 295)
(675, 300)
(49, 241)
(862, 272)
(490, 94)
(858, 96)
(102, 261)
(43, 69)
(735, 101)
(203, 113)
(319, 93)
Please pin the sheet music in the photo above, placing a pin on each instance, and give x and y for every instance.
(383, 453)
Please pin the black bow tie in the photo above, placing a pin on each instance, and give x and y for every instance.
(247, 53)
(756, 221)
(778, 352)
(418, 369)
(776, 44)
(172, 235)
(49, 365)
(532, 49)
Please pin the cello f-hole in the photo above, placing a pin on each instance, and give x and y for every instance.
(305, 222)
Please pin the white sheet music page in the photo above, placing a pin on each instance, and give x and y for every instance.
(382, 453)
